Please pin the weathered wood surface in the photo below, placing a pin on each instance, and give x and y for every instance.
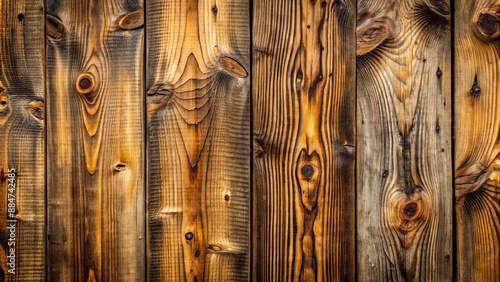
(404, 171)
(477, 146)
(22, 141)
(198, 111)
(304, 140)
(95, 135)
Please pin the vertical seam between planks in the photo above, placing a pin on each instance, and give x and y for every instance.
(145, 143)
(250, 144)
(355, 224)
(452, 139)
(45, 146)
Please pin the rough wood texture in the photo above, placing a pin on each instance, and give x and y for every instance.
(22, 140)
(304, 140)
(95, 110)
(404, 200)
(199, 158)
(477, 149)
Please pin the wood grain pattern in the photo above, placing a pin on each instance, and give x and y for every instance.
(95, 110)
(199, 158)
(304, 140)
(477, 149)
(22, 140)
(404, 201)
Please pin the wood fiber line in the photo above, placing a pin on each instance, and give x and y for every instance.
(199, 122)
(95, 160)
(404, 206)
(304, 140)
(477, 149)
(22, 228)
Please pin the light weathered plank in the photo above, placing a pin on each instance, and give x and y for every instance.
(477, 125)
(199, 140)
(304, 140)
(95, 135)
(22, 227)
(404, 170)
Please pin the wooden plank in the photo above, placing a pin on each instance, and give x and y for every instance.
(22, 193)
(404, 169)
(477, 146)
(95, 162)
(304, 140)
(199, 140)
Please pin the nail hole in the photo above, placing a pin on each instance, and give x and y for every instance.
(20, 17)
(227, 197)
(475, 90)
(439, 73)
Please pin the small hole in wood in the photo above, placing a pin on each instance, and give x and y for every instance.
(227, 197)
(84, 83)
(410, 210)
(121, 167)
(189, 236)
(20, 17)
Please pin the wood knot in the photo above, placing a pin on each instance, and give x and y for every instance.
(189, 236)
(371, 33)
(258, 147)
(36, 109)
(233, 67)
(488, 26)
(5, 109)
(227, 198)
(307, 171)
(53, 27)
(130, 21)
(410, 211)
(4, 102)
(120, 167)
(215, 248)
(469, 179)
(85, 83)
(309, 175)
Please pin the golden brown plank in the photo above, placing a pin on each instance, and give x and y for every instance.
(304, 140)
(477, 124)
(95, 161)
(198, 120)
(22, 193)
(404, 171)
